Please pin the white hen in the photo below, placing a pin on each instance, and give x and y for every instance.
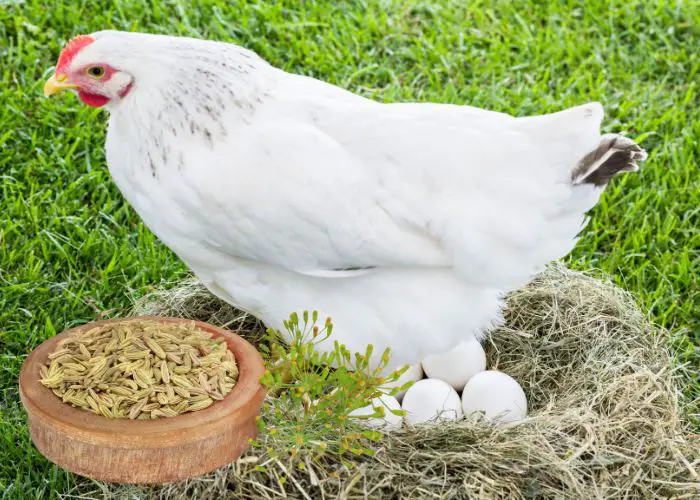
(407, 223)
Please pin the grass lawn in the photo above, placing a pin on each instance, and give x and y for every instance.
(70, 246)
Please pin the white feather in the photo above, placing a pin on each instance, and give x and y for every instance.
(270, 186)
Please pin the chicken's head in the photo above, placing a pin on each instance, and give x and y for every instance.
(81, 68)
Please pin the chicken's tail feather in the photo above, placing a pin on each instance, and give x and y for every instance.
(615, 154)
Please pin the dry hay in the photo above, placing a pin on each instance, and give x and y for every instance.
(605, 419)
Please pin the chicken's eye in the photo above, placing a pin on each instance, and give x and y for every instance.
(96, 72)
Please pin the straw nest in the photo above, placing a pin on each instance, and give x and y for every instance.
(605, 420)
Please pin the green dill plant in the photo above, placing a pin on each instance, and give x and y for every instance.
(311, 392)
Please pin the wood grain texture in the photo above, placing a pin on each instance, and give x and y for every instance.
(144, 451)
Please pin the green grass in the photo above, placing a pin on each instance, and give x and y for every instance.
(70, 246)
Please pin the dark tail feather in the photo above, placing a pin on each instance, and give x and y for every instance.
(615, 154)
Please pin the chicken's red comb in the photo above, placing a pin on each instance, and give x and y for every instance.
(72, 48)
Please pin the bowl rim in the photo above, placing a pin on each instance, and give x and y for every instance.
(40, 402)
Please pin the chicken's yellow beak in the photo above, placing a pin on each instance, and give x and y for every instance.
(57, 83)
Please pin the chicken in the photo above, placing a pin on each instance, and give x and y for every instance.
(406, 223)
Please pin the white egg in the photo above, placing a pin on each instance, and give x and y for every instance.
(498, 396)
(388, 403)
(457, 366)
(431, 399)
(413, 374)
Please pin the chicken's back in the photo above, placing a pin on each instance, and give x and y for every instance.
(494, 191)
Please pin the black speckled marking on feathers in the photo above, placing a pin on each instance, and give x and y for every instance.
(180, 161)
(152, 165)
(208, 137)
(615, 154)
(349, 269)
(179, 102)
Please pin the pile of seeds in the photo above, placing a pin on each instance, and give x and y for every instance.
(141, 369)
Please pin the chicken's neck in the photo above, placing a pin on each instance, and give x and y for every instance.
(195, 89)
(203, 101)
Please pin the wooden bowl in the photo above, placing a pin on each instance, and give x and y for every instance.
(144, 451)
